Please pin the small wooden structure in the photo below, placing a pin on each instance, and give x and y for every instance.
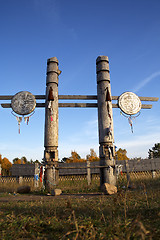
(18, 170)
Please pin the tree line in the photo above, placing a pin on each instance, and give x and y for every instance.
(121, 154)
(6, 164)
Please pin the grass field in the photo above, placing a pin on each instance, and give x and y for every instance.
(129, 214)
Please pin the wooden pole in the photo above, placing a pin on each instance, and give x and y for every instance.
(153, 166)
(128, 174)
(88, 172)
(105, 122)
(51, 122)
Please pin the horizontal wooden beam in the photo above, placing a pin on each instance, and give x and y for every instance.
(6, 97)
(9, 97)
(80, 105)
(42, 105)
(150, 99)
(144, 106)
(8, 105)
(94, 97)
(85, 167)
(40, 96)
(79, 97)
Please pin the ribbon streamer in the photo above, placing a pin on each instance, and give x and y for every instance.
(130, 123)
(50, 109)
(26, 119)
(19, 120)
(130, 119)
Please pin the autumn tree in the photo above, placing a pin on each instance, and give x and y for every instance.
(64, 159)
(36, 161)
(22, 160)
(17, 160)
(5, 165)
(92, 157)
(75, 157)
(155, 151)
(122, 154)
(33, 162)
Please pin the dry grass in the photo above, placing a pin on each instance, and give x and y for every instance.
(10, 184)
(130, 214)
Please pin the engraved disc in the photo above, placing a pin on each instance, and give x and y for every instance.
(129, 103)
(23, 103)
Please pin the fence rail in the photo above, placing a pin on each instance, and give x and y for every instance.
(134, 168)
(80, 168)
(133, 165)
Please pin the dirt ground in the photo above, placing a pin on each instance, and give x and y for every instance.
(31, 197)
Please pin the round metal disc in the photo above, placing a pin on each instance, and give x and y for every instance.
(23, 103)
(129, 103)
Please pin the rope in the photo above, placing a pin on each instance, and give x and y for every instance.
(130, 118)
(133, 117)
(23, 115)
(19, 119)
(51, 183)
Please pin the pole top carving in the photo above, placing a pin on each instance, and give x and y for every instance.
(102, 69)
(52, 70)
(53, 59)
(102, 58)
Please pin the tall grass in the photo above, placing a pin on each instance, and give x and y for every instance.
(129, 214)
(10, 185)
(74, 186)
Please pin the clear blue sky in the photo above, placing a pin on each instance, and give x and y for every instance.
(77, 32)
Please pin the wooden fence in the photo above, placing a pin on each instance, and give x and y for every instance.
(134, 168)
(25, 170)
(133, 165)
(81, 168)
(131, 169)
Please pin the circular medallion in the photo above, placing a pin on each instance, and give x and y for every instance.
(23, 103)
(129, 103)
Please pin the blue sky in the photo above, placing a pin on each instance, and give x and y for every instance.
(77, 32)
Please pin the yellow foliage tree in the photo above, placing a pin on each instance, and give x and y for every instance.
(74, 158)
(122, 154)
(17, 160)
(5, 165)
(92, 157)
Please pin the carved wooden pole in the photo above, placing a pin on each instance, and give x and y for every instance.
(51, 122)
(105, 122)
